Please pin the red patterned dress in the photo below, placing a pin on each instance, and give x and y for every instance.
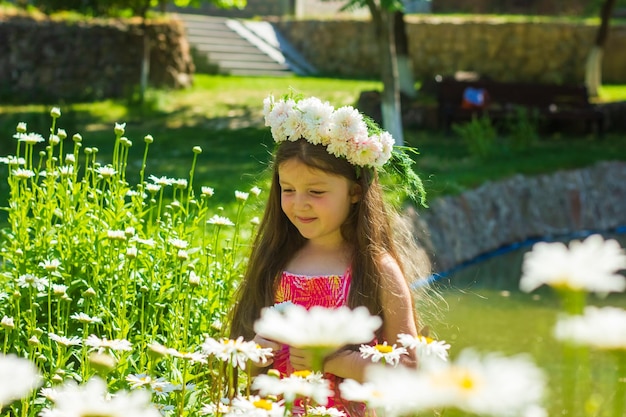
(308, 291)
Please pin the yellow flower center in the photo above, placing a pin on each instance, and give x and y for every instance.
(466, 382)
(302, 374)
(263, 404)
(383, 348)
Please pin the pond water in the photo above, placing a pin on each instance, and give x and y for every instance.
(482, 308)
(501, 269)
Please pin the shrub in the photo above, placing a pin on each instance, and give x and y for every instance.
(479, 136)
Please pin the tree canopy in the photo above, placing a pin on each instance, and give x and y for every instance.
(110, 8)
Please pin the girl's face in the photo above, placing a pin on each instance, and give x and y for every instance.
(316, 202)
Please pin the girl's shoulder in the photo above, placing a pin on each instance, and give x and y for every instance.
(391, 272)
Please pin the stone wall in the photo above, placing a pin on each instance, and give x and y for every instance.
(50, 60)
(499, 48)
(545, 7)
(456, 229)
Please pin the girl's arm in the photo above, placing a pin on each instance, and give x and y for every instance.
(399, 317)
(398, 309)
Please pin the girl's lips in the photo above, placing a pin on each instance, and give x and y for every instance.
(305, 219)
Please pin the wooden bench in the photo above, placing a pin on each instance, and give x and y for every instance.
(553, 104)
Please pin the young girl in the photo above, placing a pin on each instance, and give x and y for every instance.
(327, 237)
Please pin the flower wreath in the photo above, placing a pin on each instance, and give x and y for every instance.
(346, 133)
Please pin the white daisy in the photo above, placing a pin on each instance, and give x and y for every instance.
(194, 357)
(65, 341)
(255, 191)
(103, 344)
(159, 386)
(237, 352)
(212, 408)
(317, 327)
(59, 289)
(161, 181)
(18, 377)
(138, 380)
(241, 196)
(352, 390)
(106, 171)
(425, 346)
(22, 173)
(162, 388)
(29, 138)
(48, 393)
(220, 221)
(32, 281)
(383, 353)
(85, 318)
(153, 188)
(321, 411)
(255, 406)
(93, 399)
(7, 322)
(299, 384)
(600, 328)
(491, 385)
(66, 170)
(178, 243)
(12, 160)
(207, 191)
(590, 265)
(180, 183)
(50, 264)
(116, 235)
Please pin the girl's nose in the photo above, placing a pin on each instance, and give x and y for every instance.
(301, 200)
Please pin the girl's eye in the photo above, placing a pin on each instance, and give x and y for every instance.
(287, 190)
(315, 192)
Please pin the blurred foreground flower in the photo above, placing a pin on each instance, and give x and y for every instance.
(318, 329)
(255, 406)
(591, 265)
(18, 377)
(299, 384)
(93, 399)
(489, 385)
(600, 328)
(296, 326)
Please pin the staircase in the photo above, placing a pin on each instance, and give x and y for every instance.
(237, 47)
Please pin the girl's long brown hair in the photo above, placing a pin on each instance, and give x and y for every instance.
(368, 228)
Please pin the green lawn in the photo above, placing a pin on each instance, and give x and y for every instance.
(223, 115)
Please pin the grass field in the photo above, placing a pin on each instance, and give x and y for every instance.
(223, 115)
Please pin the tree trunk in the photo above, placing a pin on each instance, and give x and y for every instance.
(405, 65)
(145, 58)
(390, 100)
(593, 69)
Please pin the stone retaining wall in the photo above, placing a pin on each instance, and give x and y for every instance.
(456, 229)
(499, 48)
(52, 60)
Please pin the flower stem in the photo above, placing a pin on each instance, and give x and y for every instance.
(620, 391)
